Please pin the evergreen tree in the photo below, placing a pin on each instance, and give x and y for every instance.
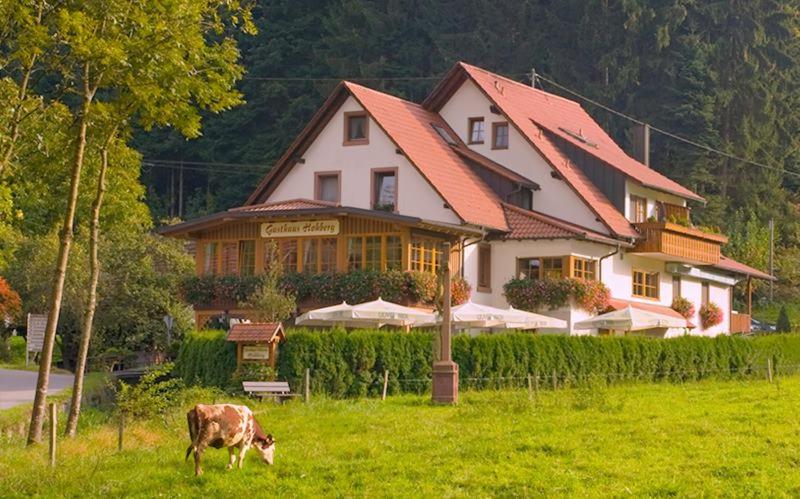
(784, 325)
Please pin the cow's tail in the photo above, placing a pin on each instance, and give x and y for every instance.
(194, 430)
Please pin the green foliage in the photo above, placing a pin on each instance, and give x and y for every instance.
(206, 358)
(351, 364)
(12, 350)
(155, 392)
(250, 371)
(784, 325)
(539, 294)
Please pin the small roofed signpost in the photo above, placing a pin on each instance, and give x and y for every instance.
(445, 371)
(256, 342)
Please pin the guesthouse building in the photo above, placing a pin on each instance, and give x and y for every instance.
(530, 191)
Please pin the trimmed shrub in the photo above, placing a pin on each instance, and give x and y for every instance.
(206, 358)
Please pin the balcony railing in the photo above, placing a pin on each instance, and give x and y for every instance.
(677, 242)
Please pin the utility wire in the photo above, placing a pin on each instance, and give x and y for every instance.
(706, 148)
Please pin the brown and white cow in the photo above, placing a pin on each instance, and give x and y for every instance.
(226, 425)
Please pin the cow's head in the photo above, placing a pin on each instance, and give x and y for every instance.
(266, 447)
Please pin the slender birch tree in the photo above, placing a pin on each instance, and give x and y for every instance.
(162, 63)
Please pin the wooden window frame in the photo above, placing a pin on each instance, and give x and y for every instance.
(634, 199)
(470, 123)
(426, 246)
(644, 284)
(372, 197)
(241, 259)
(495, 126)
(486, 285)
(355, 142)
(573, 268)
(318, 184)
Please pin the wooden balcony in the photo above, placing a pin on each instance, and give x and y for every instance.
(673, 242)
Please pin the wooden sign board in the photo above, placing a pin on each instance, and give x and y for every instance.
(37, 323)
(300, 229)
(255, 352)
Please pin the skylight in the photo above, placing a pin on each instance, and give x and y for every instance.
(578, 136)
(444, 134)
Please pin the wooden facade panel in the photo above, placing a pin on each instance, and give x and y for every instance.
(661, 238)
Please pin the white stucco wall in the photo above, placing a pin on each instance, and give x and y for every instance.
(555, 198)
(616, 273)
(416, 197)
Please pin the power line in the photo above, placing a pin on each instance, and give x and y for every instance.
(710, 149)
(336, 80)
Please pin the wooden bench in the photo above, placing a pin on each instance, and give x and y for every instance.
(277, 389)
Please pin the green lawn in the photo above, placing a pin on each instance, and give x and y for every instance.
(709, 438)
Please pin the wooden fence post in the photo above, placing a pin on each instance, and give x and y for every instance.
(536, 382)
(555, 379)
(385, 384)
(530, 386)
(769, 369)
(307, 393)
(53, 428)
(121, 431)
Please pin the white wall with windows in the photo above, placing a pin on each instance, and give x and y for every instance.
(355, 163)
(651, 196)
(555, 198)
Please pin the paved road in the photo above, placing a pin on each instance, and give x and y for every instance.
(19, 387)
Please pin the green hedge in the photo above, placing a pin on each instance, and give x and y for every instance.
(351, 364)
(206, 358)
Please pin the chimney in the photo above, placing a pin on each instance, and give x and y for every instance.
(641, 143)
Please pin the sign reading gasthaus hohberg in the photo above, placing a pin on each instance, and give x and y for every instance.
(299, 229)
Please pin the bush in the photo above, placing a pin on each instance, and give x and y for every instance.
(351, 364)
(155, 392)
(250, 371)
(535, 295)
(206, 358)
(784, 325)
(12, 350)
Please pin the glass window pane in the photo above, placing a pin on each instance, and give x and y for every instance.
(210, 258)
(373, 261)
(501, 136)
(354, 255)
(385, 191)
(247, 258)
(327, 254)
(528, 268)
(394, 253)
(310, 248)
(476, 132)
(357, 127)
(288, 254)
(328, 188)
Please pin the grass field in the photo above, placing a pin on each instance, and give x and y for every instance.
(710, 438)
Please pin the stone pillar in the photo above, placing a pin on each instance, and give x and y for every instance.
(445, 371)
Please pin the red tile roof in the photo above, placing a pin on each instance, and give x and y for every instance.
(617, 304)
(408, 125)
(291, 204)
(260, 332)
(731, 265)
(567, 119)
(528, 224)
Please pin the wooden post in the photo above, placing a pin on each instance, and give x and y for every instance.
(750, 296)
(769, 369)
(536, 382)
(445, 371)
(121, 431)
(53, 428)
(307, 391)
(385, 384)
(555, 379)
(530, 387)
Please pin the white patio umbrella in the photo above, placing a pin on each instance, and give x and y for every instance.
(529, 320)
(474, 315)
(374, 313)
(631, 319)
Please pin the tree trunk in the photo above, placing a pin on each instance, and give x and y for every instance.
(94, 264)
(37, 415)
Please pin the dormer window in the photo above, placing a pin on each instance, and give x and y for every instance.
(477, 130)
(444, 134)
(500, 135)
(356, 128)
(384, 189)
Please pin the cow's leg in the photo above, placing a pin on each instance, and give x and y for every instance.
(198, 451)
(242, 450)
(231, 457)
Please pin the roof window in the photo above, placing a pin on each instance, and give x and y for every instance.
(444, 134)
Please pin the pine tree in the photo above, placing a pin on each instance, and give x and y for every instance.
(784, 325)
